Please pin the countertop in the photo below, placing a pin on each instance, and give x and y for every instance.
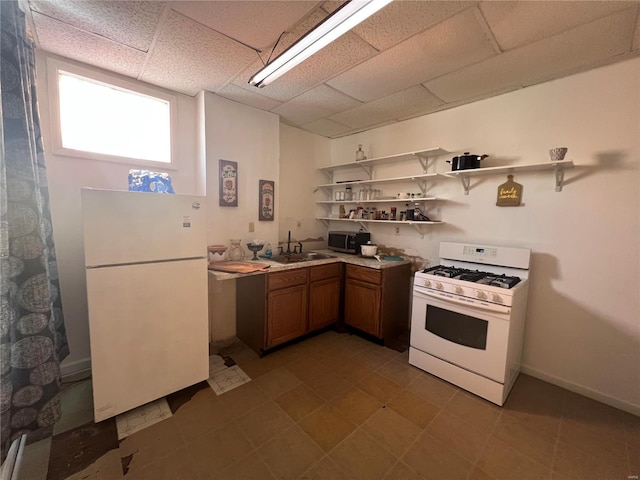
(339, 257)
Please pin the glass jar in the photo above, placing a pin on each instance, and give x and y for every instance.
(359, 153)
(347, 194)
(236, 252)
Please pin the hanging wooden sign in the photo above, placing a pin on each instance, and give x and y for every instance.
(228, 173)
(509, 193)
(266, 193)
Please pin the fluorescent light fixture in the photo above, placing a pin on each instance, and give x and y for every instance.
(331, 28)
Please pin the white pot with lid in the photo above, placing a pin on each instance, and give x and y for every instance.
(369, 249)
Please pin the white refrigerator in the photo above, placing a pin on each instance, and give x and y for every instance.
(146, 267)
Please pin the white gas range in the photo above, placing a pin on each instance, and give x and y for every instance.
(467, 322)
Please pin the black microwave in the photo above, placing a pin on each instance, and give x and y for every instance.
(348, 242)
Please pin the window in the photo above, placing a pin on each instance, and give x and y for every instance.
(110, 119)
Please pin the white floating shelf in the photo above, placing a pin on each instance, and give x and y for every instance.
(559, 168)
(409, 178)
(402, 222)
(385, 200)
(400, 157)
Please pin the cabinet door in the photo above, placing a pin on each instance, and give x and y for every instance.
(324, 303)
(362, 306)
(286, 314)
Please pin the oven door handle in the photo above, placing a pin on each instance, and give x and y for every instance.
(471, 304)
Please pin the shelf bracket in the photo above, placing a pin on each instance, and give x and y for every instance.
(329, 174)
(418, 228)
(368, 170)
(423, 187)
(466, 181)
(559, 178)
(424, 161)
(362, 226)
(325, 222)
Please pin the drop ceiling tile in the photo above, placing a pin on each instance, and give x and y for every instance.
(517, 23)
(67, 41)
(129, 23)
(450, 45)
(247, 97)
(339, 55)
(407, 103)
(574, 50)
(189, 57)
(257, 24)
(401, 20)
(314, 104)
(326, 128)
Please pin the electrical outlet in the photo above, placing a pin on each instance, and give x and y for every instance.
(251, 227)
(397, 230)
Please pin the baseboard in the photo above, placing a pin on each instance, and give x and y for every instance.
(71, 368)
(582, 390)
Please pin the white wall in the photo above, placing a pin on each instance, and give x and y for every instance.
(250, 137)
(300, 152)
(583, 319)
(66, 175)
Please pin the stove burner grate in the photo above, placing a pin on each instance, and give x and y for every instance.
(440, 271)
(474, 276)
(504, 281)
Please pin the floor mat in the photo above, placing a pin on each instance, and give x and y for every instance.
(142, 417)
(227, 379)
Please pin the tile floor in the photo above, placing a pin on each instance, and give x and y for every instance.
(339, 407)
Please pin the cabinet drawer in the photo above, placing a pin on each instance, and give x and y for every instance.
(320, 272)
(364, 274)
(289, 278)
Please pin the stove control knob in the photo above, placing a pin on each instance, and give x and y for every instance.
(496, 298)
(457, 289)
(480, 294)
(427, 283)
(439, 285)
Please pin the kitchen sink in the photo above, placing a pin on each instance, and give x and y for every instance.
(316, 256)
(302, 257)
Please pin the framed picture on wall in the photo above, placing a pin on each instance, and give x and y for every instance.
(266, 197)
(228, 192)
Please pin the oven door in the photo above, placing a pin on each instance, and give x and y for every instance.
(472, 338)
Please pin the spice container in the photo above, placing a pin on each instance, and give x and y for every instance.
(393, 213)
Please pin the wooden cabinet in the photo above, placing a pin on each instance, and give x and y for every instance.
(278, 307)
(377, 301)
(286, 306)
(324, 295)
(361, 309)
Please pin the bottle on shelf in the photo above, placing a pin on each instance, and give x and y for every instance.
(348, 195)
(359, 154)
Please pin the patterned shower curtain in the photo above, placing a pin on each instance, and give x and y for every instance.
(32, 333)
